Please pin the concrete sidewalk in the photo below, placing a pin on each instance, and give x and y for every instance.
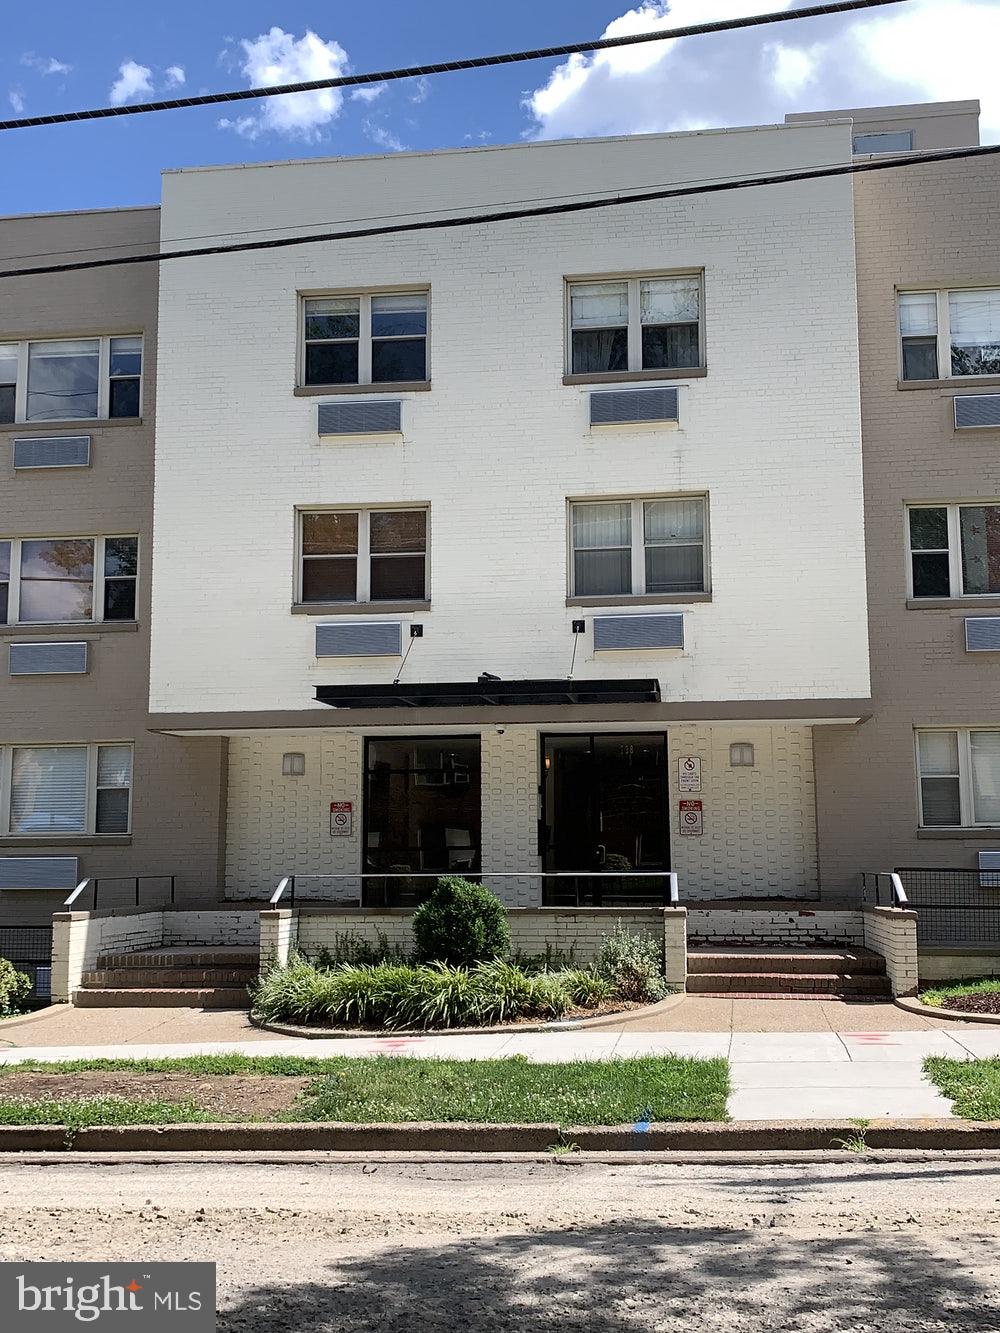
(776, 1076)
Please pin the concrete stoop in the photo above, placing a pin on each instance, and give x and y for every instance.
(818, 973)
(213, 977)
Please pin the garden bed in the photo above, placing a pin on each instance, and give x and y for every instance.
(977, 995)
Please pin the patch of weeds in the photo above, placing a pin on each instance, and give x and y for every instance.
(856, 1142)
(973, 1085)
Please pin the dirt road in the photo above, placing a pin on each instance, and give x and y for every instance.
(553, 1244)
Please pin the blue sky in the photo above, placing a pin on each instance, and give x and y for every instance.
(64, 55)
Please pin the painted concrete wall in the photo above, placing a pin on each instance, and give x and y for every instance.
(759, 839)
(499, 443)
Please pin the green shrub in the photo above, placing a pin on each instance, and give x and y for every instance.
(460, 923)
(350, 947)
(15, 987)
(633, 964)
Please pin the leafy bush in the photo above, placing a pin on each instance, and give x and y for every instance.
(552, 960)
(350, 947)
(633, 964)
(15, 987)
(432, 995)
(460, 923)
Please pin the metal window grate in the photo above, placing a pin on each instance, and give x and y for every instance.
(625, 406)
(381, 417)
(48, 451)
(982, 634)
(977, 410)
(380, 638)
(47, 659)
(636, 632)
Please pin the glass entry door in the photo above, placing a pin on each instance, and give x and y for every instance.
(605, 807)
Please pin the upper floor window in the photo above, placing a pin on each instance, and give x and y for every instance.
(949, 334)
(363, 555)
(66, 789)
(885, 141)
(631, 324)
(71, 379)
(958, 778)
(51, 580)
(638, 546)
(376, 338)
(954, 550)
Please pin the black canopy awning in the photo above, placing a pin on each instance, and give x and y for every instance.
(490, 693)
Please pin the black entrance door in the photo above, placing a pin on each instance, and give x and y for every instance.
(605, 807)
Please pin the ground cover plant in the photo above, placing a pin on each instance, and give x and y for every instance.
(362, 1090)
(979, 995)
(973, 1085)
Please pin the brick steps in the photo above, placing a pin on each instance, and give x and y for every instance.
(214, 977)
(776, 973)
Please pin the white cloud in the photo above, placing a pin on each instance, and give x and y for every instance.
(421, 90)
(45, 64)
(384, 137)
(928, 50)
(16, 98)
(368, 92)
(280, 57)
(176, 78)
(134, 81)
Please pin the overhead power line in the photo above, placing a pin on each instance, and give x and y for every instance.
(445, 66)
(515, 214)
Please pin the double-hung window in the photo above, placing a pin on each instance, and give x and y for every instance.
(71, 379)
(67, 789)
(363, 555)
(949, 334)
(49, 580)
(636, 547)
(959, 777)
(954, 550)
(372, 338)
(633, 324)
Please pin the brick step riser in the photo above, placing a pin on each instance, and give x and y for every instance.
(784, 984)
(724, 964)
(222, 997)
(248, 958)
(143, 977)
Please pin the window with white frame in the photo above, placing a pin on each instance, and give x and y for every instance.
(631, 324)
(67, 789)
(50, 580)
(70, 379)
(949, 334)
(363, 555)
(954, 550)
(638, 546)
(959, 777)
(372, 338)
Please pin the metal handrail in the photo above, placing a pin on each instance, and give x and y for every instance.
(288, 882)
(76, 893)
(135, 879)
(897, 894)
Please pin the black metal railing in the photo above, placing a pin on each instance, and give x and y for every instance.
(954, 905)
(123, 891)
(29, 948)
(378, 889)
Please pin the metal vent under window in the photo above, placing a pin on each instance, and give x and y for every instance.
(39, 872)
(989, 870)
(382, 417)
(47, 659)
(381, 638)
(624, 406)
(982, 634)
(52, 451)
(623, 632)
(977, 410)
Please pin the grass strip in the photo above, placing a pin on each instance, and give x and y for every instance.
(973, 1085)
(76, 1112)
(277, 1065)
(980, 986)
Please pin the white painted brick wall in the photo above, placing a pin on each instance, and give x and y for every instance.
(892, 932)
(783, 928)
(759, 840)
(497, 446)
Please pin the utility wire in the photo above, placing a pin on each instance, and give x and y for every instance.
(515, 214)
(445, 66)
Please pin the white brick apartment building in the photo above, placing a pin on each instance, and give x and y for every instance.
(364, 440)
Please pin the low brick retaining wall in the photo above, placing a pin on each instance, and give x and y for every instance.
(792, 926)
(892, 932)
(958, 963)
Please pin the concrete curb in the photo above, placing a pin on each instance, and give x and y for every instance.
(22, 1020)
(612, 1021)
(913, 1006)
(746, 1136)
